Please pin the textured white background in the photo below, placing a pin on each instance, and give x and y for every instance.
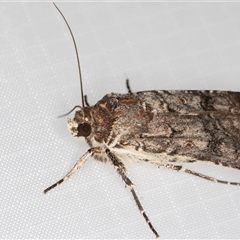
(157, 46)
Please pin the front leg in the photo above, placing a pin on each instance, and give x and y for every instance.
(122, 172)
(79, 163)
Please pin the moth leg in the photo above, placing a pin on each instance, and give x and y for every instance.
(79, 163)
(128, 86)
(121, 171)
(181, 168)
(86, 101)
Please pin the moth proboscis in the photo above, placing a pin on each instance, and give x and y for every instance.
(165, 128)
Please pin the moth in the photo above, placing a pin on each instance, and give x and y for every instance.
(165, 128)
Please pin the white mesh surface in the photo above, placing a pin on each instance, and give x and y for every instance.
(155, 45)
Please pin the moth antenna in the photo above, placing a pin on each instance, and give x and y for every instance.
(78, 60)
(64, 115)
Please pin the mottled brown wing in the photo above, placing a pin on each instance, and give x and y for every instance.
(173, 125)
(184, 102)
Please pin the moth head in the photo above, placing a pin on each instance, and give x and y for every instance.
(80, 125)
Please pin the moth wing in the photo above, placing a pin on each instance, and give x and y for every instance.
(184, 102)
(176, 126)
(177, 138)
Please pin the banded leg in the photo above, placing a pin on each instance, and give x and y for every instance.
(79, 163)
(121, 171)
(128, 87)
(182, 169)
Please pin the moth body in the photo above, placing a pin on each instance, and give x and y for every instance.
(164, 127)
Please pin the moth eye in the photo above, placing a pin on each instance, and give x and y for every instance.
(84, 129)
